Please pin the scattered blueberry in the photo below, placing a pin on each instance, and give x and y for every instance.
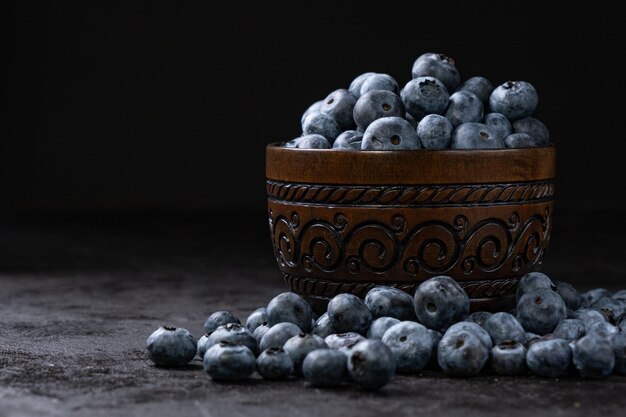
(378, 81)
(371, 364)
(540, 311)
(475, 136)
(591, 296)
(480, 86)
(340, 340)
(257, 318)
(438, 66)
(508, 358)
(274, 363)
(277, 335)
(322, 327)
(325, 367)
(390, 133)
(568, 293)
(533, 127)
(339, 105)
(259, 332)
(300, 345)
(514, 99)
(462, 353)
(603, 329)
(348, 313)
(424, 95)
(479, 317)
(171, 346)
(534, 281)
(201, 346)
(549, 357)
(504, 326)
(225, 362)
(233, 334)
(376, 105)
(593, 356)
(390, 302)
(499, 123)
(464, 107)
(355, 85)
(379, 326)
(290, 307)
(435, 132)
(588, 316)
(474, 328)
(350, 139)
(411, 344)
(219, 318)
(610, 308)
(313, 108)
(318, 123)
(440, 302)
(570, 330)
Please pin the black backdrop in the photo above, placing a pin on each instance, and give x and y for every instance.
(159, 106)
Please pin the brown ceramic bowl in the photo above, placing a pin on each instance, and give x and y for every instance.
(344, 221)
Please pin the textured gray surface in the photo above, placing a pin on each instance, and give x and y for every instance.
(79, 296)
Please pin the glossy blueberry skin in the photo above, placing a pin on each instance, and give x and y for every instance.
(379, 326)
(390, 134)
(591, 296)
(318, 123)
(504, 326)
(325, 367)
(514, 99)
(549, 358)
(290, 307)
(464, 107)
(171, 346)
(224, 362)
(534, 281)
(355, 85)
(323, 328)
(375, 105)
(390, 302)
(411, 344)
(438, 66)
(350, 139)
(274, 364)
(610, 308)
(233, 334)
(620, 295)
(593, 356)
(277, 335)
(462, 353)
(435, 132)
(378, 81)
(259, 332)
(474, 328)
(499, 123)
(570, 330)
(508, 358)
(201, 346)
(521, 140)
(348, 313)
(440, 302)
(540, 311)
(533, 127)
(339, 105)
(257, 318)
(219, 318)
(475, 136)
(568, 293)
(371, 364)
(480, 86)
(299, 346)
(479, 317)
(424, 95)
(588, 316)
(618, 343)
(313, 108)
(341, 340)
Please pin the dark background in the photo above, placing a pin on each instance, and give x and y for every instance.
(168, 105)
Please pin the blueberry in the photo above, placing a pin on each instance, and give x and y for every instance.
(290, 307)
(341, 340)
(521, 140)
(438, 66)
(411, 344)
(588, 316)
(439, 302)
(299, 346)
(499, 123)
(371, 364)
(350, 139)
(479, 317)
(435, 132)
(171, 346)
(201, 346)
(533, 127)
(570, 329)
(594, 295)
(355, 85)
(225, 362)
(593, 356)
(475, 136)
(534, 281)
(423, 96)
(219, 318)
(277, 335)
(504, 326)
(325, 367)
(233, 334)
(436, 338)
(348, 313)
(620, 295)
(313, 108)
(379, 327)
(540, 311)
(508, 358)
(549, 358)
(568, 293)
(531, 338)
(462, 353)
(339, 105)
(610, 308)
(479, 86)
(464, 107)
(390, 133)
(474, 328)
(274, 363)
(411, 120)
(390, 302)
(259, 332)
(375, 105)
(318, 123)
(618, 343)
(313, 141)
(256, 319)
(514, 99)
(377, 81)
(603, 329)
(322, 327)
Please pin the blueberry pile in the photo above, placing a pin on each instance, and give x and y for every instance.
(433, 111)
(554, 331)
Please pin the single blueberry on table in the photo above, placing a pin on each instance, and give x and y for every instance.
(411, 345)
(570, 330)
(514, 99)
(257, 318)
(379, 326)
(464, 107)
(350, 139)
(219, 318)
(341, 340)
(277, 335)
(435, 132)
(423, 96)
(474, 328)
(355, 85)
(322, 327)
(593, 356)
(508, 358)
(171, 346)
(440, 302)
(521, 140)
(390, 302)
(480, 86)
(591, 296)
(549, 358)
(325, 367)
(533, 127)
(438, 66)
(274, 363)
(233, 334)
(479, 317)
(225, 362)
(339, 105)
(504, 326)
(299, 346)
(313, 108)
(462, 353)
(375, 105)
(610, 308)
(499, 123)
(618, 343)
(540, 311)
(348, 313)
(588, 316)
(371, 364)
(534, 281)
(568, 293)
(390, 133)
(475, 136)
(379, 82)
(290, 307)
(318, 123)
(259, 332)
